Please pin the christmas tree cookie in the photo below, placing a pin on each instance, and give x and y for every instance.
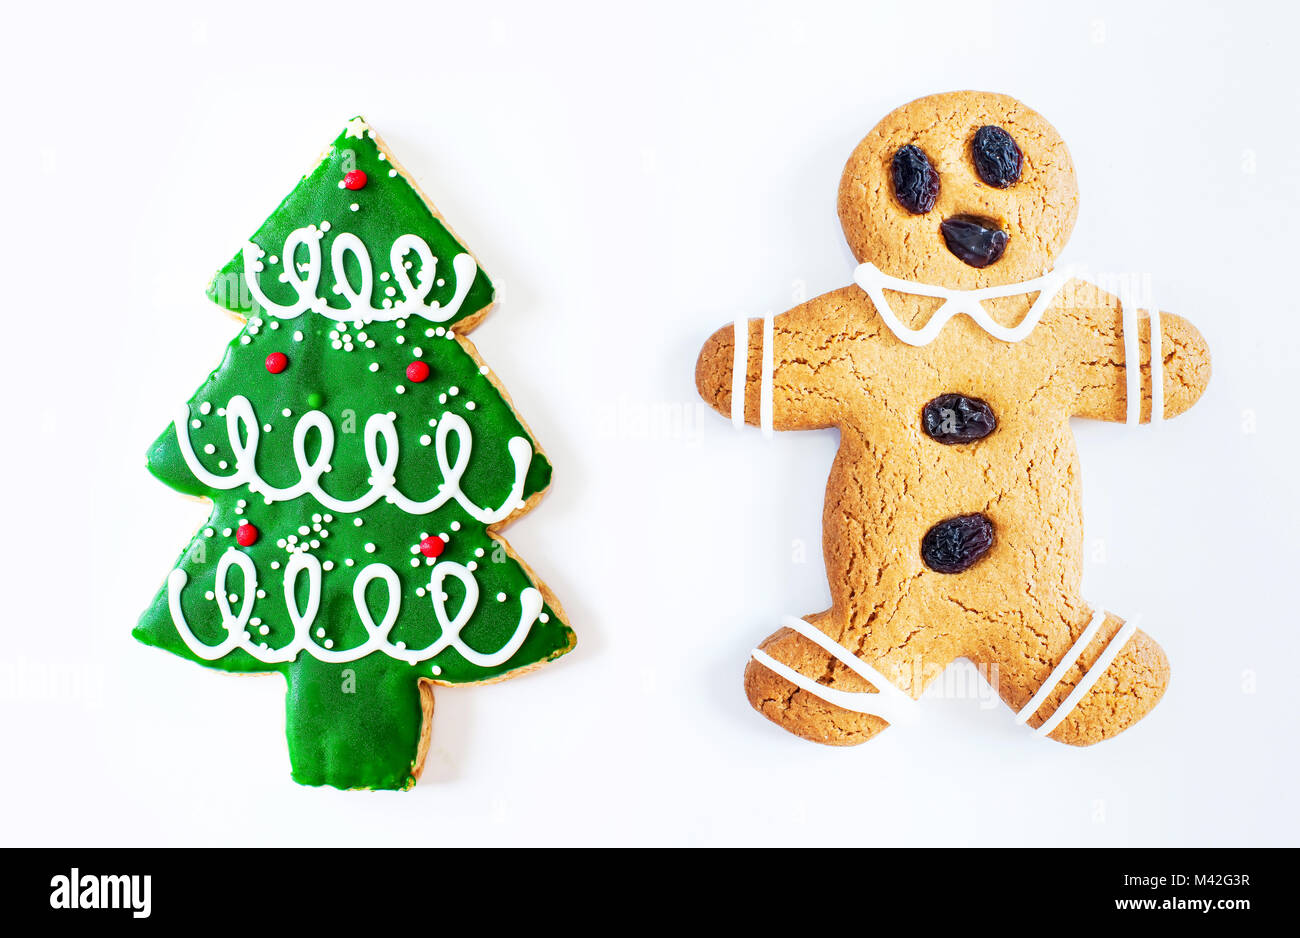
(359, 457)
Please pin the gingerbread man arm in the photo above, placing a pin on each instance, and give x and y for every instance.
(787, 368)
(1109, 339)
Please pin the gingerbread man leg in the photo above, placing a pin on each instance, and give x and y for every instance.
(840, 677)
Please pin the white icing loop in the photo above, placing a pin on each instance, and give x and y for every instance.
(304, 617)
(243, 429)
(359, 306)
(348, 243)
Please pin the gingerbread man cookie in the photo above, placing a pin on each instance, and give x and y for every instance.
(952, 524)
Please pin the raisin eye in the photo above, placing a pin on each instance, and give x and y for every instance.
(997, 158)
(916, 184)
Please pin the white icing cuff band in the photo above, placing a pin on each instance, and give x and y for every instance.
(1132, 356)
(765, 404)
(739, 372)
(1157, 367)
(740, 375)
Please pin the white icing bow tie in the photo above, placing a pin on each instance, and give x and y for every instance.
(970, 302)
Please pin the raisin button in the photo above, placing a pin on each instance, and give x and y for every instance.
(956, 418)
(956, 544)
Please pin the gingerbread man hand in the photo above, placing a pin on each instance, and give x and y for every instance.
(952, 365)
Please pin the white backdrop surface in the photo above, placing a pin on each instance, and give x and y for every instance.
(632, 180)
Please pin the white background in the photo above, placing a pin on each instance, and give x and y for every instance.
(632, 181)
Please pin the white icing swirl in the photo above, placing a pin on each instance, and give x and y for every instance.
(377, 634)
(414, 299)
(383, 484)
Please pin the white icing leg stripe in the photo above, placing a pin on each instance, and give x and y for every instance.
(889, 703)
(739, 371)
(1113, 648)
(1157, 367)
(849, 659)
(1132, 357)
(858, 702)
(1062, 666)
(765, 404)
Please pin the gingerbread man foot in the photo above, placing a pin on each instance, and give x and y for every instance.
(1109, 678)
(804, 681)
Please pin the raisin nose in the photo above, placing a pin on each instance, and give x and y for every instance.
(976, 241)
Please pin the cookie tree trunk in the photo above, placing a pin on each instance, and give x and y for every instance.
(359, 725)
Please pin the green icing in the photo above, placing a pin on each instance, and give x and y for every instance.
(352, 724)
(387, 208)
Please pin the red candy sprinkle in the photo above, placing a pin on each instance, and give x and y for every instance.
(432, 546)
(246, 535)
(354, 180)
(417, 372)
(276, 362)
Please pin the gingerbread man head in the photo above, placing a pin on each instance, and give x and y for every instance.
(961, 190)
